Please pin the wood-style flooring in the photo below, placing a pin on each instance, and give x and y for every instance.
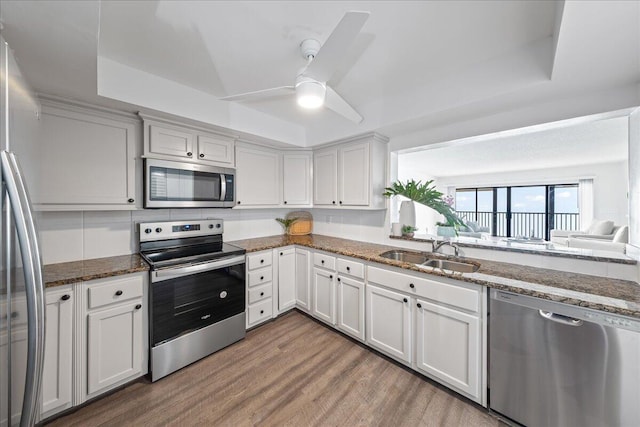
(290, 372)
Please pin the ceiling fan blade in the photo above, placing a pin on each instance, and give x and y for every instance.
(330, 55)
(337, 103)
(258, 94)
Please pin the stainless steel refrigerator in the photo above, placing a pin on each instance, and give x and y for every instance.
(21, 288)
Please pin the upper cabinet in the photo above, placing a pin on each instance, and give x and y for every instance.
(296, 179)
(169, 140)
(272, 178)
(351, 174)
(88, 159)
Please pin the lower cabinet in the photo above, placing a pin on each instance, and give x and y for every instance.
(115, 318)
(448, 346)
(350, 318)
(303, 282)
(57, 373)
(388, 322)
(260, 288)
(286, 278)
(323, 295)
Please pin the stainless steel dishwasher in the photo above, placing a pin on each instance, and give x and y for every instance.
(553, 364)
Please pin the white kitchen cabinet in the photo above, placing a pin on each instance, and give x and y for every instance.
(324, 295)
(388, 322)
(351, 174)
(89, 159)
(448, 347)
(296, 179)
(350, 318)
(258, 177)
(57, 373)
(116, 332)
(303, 282)
(325, 177)
(19, 343)
(190, 141)
(260, 288)
(286, 278)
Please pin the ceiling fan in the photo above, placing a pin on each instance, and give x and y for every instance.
(311, 87)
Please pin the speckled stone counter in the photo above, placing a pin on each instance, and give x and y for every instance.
(547, 249)
(90, 269)
(599, 293)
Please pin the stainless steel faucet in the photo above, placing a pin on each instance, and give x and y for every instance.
(438, 245)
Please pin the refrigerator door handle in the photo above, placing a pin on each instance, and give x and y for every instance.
(34, 289)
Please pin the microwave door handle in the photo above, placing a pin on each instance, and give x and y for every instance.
(223, 187)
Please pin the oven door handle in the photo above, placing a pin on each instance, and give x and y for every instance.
(198, 268)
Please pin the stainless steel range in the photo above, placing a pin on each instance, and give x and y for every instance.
(197, 292)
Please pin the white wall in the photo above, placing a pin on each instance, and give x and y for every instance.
(72, 236)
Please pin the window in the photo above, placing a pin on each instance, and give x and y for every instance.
(521, 211)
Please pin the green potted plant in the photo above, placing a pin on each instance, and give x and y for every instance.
(408, 230)
(425, 194)
(286, 223)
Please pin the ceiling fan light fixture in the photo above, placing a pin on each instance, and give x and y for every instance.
(310, 94)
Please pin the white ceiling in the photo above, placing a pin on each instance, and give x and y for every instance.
(595, 142)
(413, 66)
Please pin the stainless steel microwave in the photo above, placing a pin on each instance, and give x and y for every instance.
(169, 184)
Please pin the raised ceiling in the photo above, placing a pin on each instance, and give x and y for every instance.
(415, 67)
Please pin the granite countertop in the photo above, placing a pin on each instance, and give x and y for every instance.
(546, 249)
(599, 293)
(79, 271)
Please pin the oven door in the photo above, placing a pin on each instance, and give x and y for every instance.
(188, 298)
(186, 185)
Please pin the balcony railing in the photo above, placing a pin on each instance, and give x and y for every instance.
(529, 224)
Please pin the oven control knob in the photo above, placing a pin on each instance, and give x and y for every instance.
(158, 230)
(223, 294)
(218, 225)
(147, 230)
(210, 225)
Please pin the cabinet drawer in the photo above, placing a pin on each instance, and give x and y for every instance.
(115, 290)
(258, 277)
(260, 311)
(324, 261)
(261, 259)
(352, 268)
(462, 295)
(259, 293)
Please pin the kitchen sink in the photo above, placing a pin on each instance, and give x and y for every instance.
(405, 256)
(424, 260)
(458, 267)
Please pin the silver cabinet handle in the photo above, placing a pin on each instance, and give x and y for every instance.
(223, 187)
(559, 318)
(34, 289)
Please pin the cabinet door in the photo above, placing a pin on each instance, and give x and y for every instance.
(325, 177)
(448, 347)
(351, 307)
(86, 160)
(303, 284)
(388, 326)
(58, 350)
(15, 389)
(170, 141)
(286, 279)
(296, 175)
(353, 176)
(258, 177)
(115, 345)
(323, 295)
(216, 149)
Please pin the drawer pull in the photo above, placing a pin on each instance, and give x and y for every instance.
(261, 277)
(348, 268)
(261, 294)
(322, 262)
(338, 279)
(261, 261)
(405, 300)
(281, 254)
(65, 297)
(138, 306)
(411, 285)
(419, 305)
(118, 293)
(261, 311)
(331, 277)
(201, 155)
(189, 153)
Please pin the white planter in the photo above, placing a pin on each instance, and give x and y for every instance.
(445, 231)
(408, 213)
